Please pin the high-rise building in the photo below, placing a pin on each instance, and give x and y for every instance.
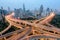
(23, 7)
(18, 13)
(8, 9)
(1, 8)
(24, 11)
(2, 13)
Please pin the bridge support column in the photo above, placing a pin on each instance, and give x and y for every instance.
(42, 38)
(52, 39)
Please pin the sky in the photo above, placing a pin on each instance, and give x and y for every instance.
(30, 4)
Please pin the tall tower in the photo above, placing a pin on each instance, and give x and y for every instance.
(23, 7)
(9, 9)
(24, 12)
(2, 14)
(1, 8)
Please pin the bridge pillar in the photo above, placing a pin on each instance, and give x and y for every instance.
(51, 39)
(42, 38)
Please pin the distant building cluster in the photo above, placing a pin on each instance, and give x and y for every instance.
(36, 13)
(23, 13)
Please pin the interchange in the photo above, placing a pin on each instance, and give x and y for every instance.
(39, 28)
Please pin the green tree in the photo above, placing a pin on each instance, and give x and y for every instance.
(56, 21)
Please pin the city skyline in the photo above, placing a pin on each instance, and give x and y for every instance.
(30, 4)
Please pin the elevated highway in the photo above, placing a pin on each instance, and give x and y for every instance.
(37, 29)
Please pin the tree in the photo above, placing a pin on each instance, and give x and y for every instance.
(56, 21)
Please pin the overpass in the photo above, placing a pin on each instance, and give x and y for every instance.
(37, 29)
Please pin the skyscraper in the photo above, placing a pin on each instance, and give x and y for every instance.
(23, 7)
(24, 11)
(1, 8)
(9, 9)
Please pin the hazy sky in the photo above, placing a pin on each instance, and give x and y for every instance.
(30, 4)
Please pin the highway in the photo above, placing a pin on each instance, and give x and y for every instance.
(5, 30)
(31, 30)
(42, 27)
(20, 35)
(45, 19)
